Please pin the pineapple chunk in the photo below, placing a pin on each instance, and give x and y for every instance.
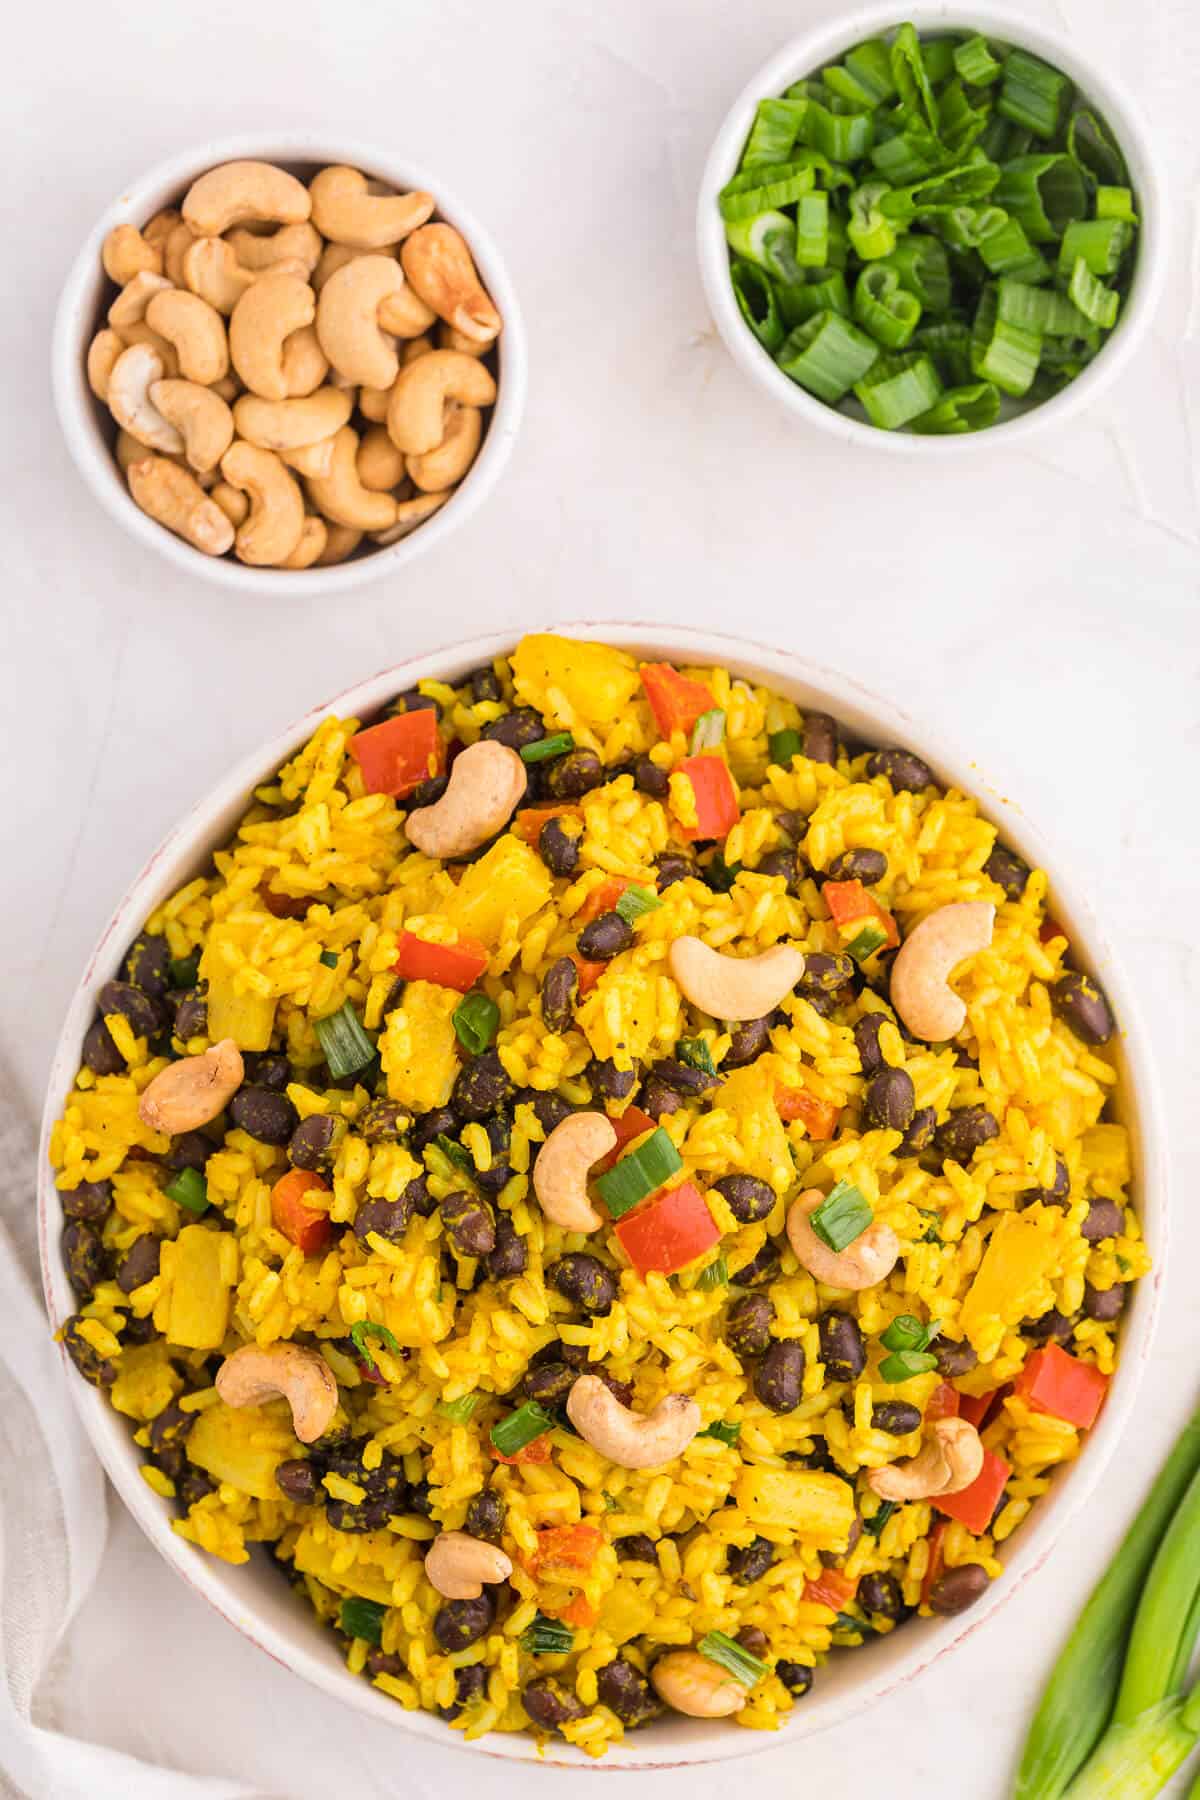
(574, 683)
(504, 888)
(199, 1269)
(1010, 1283)
(246, 1018)
(817, 1507)
(245, 1446)
(418, 1047)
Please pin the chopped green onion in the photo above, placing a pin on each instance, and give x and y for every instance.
(547, 1637)
(870, 67)
(768, 239)
(367, 1328)
(716, 1275)
(847, 1622)
(611, 1503)
(1043, 193)
(975, 63)
(905, 1365)
(1101, 243)
(937, 57)
(827, 355)
(875, 1524)
(344, 1044)
(727, 1434)
(949, 346)
(783, 745)
(812, 230)
(720, 875)
(1097, 303)
(635, 902)
(183, 970)
(923, 268)
(729, 1655)
(911, 76)
(1090, 145)
(829, 294)
(870, 939)
(639, 1172)
(897, 389)
(458, 1411)
(961, 123)
(972, 407)
(708, 731)
(885, 309)
(1001, 352)
(906, 1332)
(912, 152)
(1110, 203)
(555, 745)
(973, 179)
(1037, 309)
(765, 188)
(475, 1020)
(842, 1216)
(360, 1618)
(695, 1054)
(775, 129)
(189, 1190)
(516, 1429)
(1033, 94)
(757, 303)
(933, 1231)
(967, 227)
(1007, 251)
(328, 959)
(455, 1153)
(868, 228)
(842, 135)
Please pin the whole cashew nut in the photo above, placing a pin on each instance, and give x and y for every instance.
(561, 1170)
(629, 1439)
(304, 362)
(487, 781)
(142, 334)
(458, 1565)
(200, 416)
(255, 1374)
(691, 1684)
(310, 459)
(312, 543)
(127, 253)
(129, 307)
(196, 331)
(410, 514)
(341, 496)
(103, 352)
(238, 192)
(449, 339)
(920, 988)
(445, 466)
(262, 321)
(868, 1260)
(211, 270)
(276, 519)
(734, 987)
(332, 258)
(348, 320)
(191, 1092)
(416, 413)
(175, 247)
(340, 543)
(948, 1461)
(129, 382)
(169, 493)
(291, 424)
(438, 263)
(292, 243)
(373, 403)
(232, 502)
(345, 211)
(380, 465)
(161, 226)
(405, 314)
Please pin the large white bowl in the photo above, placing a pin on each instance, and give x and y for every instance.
(88, 427)
(814, 50)
(253, 1597)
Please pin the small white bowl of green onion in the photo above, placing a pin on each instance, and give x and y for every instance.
(923, 229)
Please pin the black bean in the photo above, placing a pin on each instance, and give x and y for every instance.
(1083, 1007)
(825, 974)
(193, 1485)
(137, 1331)
(560, 984)
(1104, 1304)
(516, 729)
(796, 1677)
(820, 737)
(789, 864)
(510, 1254)
(426, 793)
(308, 1146)
(963, 1058)
(190, 1013)
(866, 1042)
(485, 1516)
(683, 1078)
(463, 1622)
(672, 867)
(867, 866)
(965, 1132)
(548, 1382)
(833, 1559)
(571, 776)
(842, 1349)
(658, 1099)
(558, 848)
(1105, 1219)
(1047, 1327)
(625, 1691)
(147, 1016)
(385, 1488)
(747, 1042)
(748, 1325)
(388, 1218)
(609, 1082)
(147, 964)
(470, 1685)
(441, 1122)
(190, 1150)
(752, 1562)
(549, 1108)
(585, 1280)
(99, 1371)
(889, 1100)
(170, 1427)
(412, 700)
(881, 1595)
(482, 1087)
(485, 684)
(907, 773)
(603, 938)
(498, 1131)
(637, 1547)
(1007, 870)
(896, 1417)
(263, 1114)
(100, 1054)
(85, 1257)
(920, 1132)
(269, 1069)
(296, 1480)
(387, 1662)
(761, 1269)
(419, 1499)
(550, 1703)
(383, 1122)
(819, 1458)
(650, 779)
(469, 1223)
(139, 1263)
(957, 1589)
(90, 1201)
(754, 1639)
(779, 1378)
(1051, 1196)
(954, 1358)
(620, 1390)
(748, 1198)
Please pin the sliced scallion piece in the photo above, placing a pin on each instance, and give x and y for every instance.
(460, 1410)
(694, 1054)
(949, 347)
(765, 188)
(1005, 354)
(1098, 304)
(516, 1429)
(729, 1655)
(921, 263)
(367, 1328)
(911, 76)
(475, 1020)
(885, 309)
(183, 970)
(812, 230)
(1043, 193)
(727, 1434)
(870, 939)
(842, 1216)
(868, 228)
(635, 902)
(360, 1618)
(189, 1190)
(768, 239)
(875, 1524)
(1110, 203)
(898, 389)
(1101, 243)
(975, 63)
(829, 294)
(775, 129)
(1038, 309)
(906, 1365)
(328, 959)
(972, 407)
(547, 1637)
(639, 1172)
(708, 731)
(716, 1275)
(870, 66)
(1090, 144)
(456, 1154)
(783, 745)
(838, 132)
(827, 355)
(757, 304)
(344, 1044)
(906, 1332)
(1008, 251)
(557, 744)
(1033, 94)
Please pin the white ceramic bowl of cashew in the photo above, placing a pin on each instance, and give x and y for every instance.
(254, 1597)
(90, 430)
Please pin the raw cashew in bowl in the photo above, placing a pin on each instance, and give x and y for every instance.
(348, 320)
(193, 1091)
(734, 987)
(446, 465)
(255, 1374)
(458, 1565)
(560, 1173)
(416, 416)
(312, 543)
(439, 265)
(410, 514)
(869, 1259)
(129, 382)
(127, 253)
(305, 365)
(103, 352)
(175, 247)
(142, 334)
(291, 424)
(948, 1461)
(380, 465)
(291, 243)
(340, 544)
(196, 332)
(168, 493)
(201, 417)
(693, 1685)
(920, 981)
(276, 519)
(404, 313)
(631, 1440)
(345, 210)
(311, 459)
(238, 192)
(487, 782)
(263, 320)
(232, 502)
(212, 271)
(129, 307)
(341, 496)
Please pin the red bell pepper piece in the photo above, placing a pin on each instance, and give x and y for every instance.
(400, 754)
(602, 899)
(668, 1232)
(307, 1229)
(830, 1588)
(1054, 1382)
(818, 1117)
(850, 904)
(580, 1612)
(529, 821)
(564, 1550)
(675, 701)
(631, 1124)
(589, 972)
(937, 1560)
(456, 966)
(945, 1402)
(538, 1451)
(974, 1506)
(717, 809)
(976, 1408)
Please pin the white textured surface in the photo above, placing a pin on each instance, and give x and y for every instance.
(1039, 606)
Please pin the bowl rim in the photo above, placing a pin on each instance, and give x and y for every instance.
(811, 50)
(675, 1743)
(75, 320)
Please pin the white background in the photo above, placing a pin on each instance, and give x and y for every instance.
(1039, 606)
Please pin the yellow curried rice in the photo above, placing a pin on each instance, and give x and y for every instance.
(433, 1285)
